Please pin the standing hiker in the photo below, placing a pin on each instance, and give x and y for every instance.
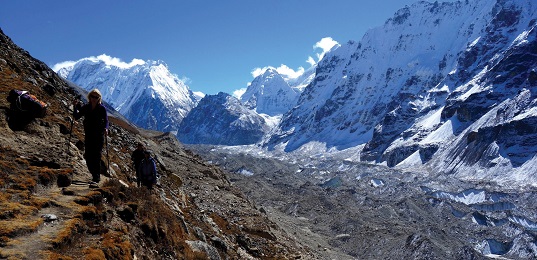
(148, 170)
(137, 157)
(95, 130)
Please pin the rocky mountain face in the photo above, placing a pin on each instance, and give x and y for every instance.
(49, 211)
(270, 94)
(222, 119)
(446, 85)
(145, 92)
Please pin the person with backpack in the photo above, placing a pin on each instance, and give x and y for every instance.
(137, 157)
(95, 131)
(148, 171)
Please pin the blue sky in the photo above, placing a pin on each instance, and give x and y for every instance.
(215, 45)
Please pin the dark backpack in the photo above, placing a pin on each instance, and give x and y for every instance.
(23, 101)
(146, 169)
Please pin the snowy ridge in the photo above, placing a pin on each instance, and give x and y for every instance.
(222, 119)
(419, 89)
(270, 94)
(394, 62)
(144, 91)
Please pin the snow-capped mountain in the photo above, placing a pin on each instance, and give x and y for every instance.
(145, 92)
(225, 120)
(301, 82)
(221, 119)
(439, 85)
(270, 94)
(452, 84)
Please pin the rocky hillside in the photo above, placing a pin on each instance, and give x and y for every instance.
(48, 210)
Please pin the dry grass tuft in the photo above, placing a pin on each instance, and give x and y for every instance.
(3, 240)
(18, 196)
(84, 201)
(22, 162)
(88, 212)
(116, 246)
(23, 180)
(4, 196)
(15, 255)
(67, 235)
(160, 222)
(157, 221)
(15, 227)
(94, 197)
(38, 202)
(10, 210)
(93, 254)
(54, 256)
(46, 176)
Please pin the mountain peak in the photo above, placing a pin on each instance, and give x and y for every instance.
(422, 86)
(270, 94)
(270, 71)
(222, 119)
(133, 87)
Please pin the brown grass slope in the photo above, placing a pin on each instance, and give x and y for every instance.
(193, 214)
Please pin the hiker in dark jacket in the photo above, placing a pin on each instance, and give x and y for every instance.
(137, 157)
(95, 130)
(148, 170)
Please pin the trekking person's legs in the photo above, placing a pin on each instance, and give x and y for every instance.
(107, 157)
(70, 134)
(93, 147)
(93, 161)
(138, 177)
(148, 184)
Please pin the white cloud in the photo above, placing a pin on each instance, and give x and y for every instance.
(325, 44)
(110, 61)
(284, 70)
(63, 64)
(199, 94)
(289, 73)
(239, 92)
(311, 61)
(258, 71)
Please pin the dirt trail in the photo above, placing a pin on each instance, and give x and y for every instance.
(47, 207)
(54, 217)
